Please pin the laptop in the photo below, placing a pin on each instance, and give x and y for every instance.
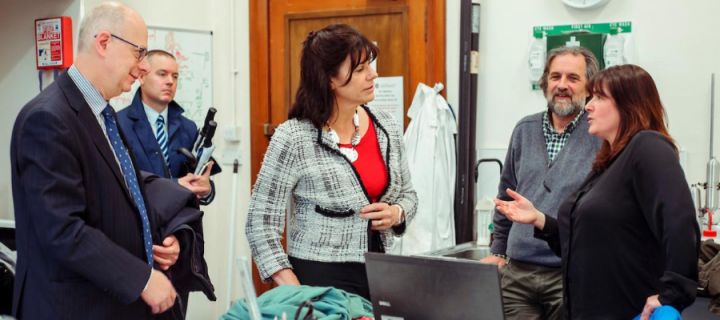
(432, 288)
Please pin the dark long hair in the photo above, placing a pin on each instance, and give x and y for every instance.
(322, 54)
(638, 103)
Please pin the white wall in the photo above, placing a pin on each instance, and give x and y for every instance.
(18, 75)
(19, 84)
(680, 57)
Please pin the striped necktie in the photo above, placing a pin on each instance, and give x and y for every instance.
(128, 171)
(162, 139)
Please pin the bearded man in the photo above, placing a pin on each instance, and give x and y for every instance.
(549, 156)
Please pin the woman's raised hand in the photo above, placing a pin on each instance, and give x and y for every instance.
(520, 210)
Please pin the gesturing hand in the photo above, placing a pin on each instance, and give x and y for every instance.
(520, 210)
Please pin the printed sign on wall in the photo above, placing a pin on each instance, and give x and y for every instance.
(48, 34)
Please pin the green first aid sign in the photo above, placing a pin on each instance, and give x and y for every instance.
(591, 41)
(591, 36)
(623, 27)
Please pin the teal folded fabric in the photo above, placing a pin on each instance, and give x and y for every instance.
(329, 303)
(664, 313)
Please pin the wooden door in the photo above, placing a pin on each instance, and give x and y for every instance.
(410, 35)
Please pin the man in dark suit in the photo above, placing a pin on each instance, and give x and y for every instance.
(156, 129)
(83, 234)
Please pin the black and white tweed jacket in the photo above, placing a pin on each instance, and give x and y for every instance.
(328, 195)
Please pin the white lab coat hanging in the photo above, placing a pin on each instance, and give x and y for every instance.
(430, 147)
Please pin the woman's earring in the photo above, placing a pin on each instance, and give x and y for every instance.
(356, 119)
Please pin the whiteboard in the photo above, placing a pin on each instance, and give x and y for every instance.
(193, 51)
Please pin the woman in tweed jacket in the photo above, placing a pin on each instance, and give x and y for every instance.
(343, 164)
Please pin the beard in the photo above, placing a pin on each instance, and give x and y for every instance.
(562, 108)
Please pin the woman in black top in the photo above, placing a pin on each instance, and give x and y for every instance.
(627, 237)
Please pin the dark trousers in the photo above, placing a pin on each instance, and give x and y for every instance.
(348, 276)
(532, 292)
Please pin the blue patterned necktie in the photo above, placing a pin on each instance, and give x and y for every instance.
(126, 166)
(162, 138)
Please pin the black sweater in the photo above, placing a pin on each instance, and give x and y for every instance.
(626, 234)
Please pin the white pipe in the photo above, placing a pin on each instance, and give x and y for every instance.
(233, 74)
(82, 16)
(233, 63)
(712, 114)
(231, 252)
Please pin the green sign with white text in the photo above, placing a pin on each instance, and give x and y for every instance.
(623, 27)
(589, 35)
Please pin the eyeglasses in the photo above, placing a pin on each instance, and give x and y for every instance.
(142, 51)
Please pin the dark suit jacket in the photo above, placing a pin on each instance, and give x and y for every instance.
(79, 239)
(181, 131)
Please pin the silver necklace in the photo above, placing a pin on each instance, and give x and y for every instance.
(349, 153)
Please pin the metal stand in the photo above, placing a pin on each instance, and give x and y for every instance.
(465, 185)
(712, 183)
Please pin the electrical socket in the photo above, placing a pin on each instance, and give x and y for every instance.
(228, 155)
(231, 133)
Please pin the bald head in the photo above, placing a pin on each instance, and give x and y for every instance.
(113, 41)
(108, 16)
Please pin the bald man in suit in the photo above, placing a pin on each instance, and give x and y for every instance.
(85, 249)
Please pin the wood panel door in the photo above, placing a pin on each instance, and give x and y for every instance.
(410, 35)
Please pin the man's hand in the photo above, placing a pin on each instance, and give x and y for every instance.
(198, 184)
(159, 294)
(491, 259)
(167, 254)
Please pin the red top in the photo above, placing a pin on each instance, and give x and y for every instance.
(370, 164)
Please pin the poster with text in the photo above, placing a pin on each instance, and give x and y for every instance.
(389, 97)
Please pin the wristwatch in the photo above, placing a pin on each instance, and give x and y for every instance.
(400, 214)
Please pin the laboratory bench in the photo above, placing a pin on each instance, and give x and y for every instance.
(473, 251)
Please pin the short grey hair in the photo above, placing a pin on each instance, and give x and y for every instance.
(591, 64)
(107, 16)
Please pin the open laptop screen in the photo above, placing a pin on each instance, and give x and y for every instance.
(430, 288)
